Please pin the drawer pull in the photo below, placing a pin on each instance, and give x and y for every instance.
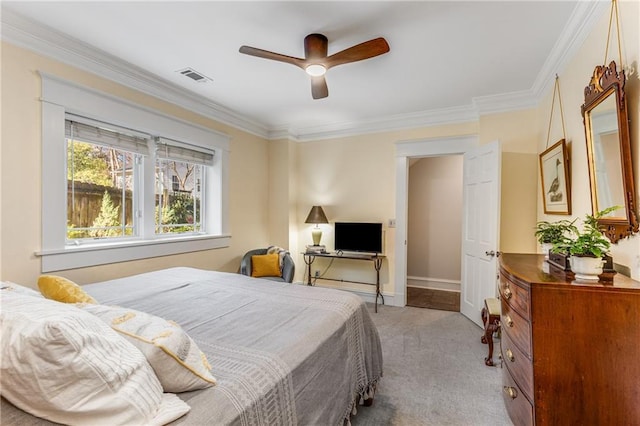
(508, 293)
(510, 356)
(508, 321)
(510, 391)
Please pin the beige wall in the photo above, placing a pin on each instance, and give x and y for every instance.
(283, 219)
(518, 133)
(572, 83)
(20, 191)
(354, 178)
(518, 206)
(279, 192)
(434, 227)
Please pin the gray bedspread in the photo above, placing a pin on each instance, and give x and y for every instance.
(283, 354)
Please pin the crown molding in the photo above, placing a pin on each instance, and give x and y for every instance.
(377, 125)
(462, 114)
(584, 17)
(53, 44)
(504, 102)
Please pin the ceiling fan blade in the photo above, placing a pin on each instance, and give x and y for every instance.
(366, 50)
(319, 87)
(253, 51)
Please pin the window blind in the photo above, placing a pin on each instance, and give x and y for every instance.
(106, 135)
(168, 149)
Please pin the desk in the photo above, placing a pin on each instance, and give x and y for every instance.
(309, 258)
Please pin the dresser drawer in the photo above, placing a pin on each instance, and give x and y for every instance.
(519, 365)
(516, 327)
(516, 296)
(518, 406)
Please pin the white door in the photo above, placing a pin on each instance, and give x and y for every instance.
(480, 228)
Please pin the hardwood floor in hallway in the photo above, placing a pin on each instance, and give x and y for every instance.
(444, 300)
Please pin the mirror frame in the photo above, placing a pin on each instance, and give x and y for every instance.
(607, 81)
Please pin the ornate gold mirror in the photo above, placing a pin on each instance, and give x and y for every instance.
(609, 151)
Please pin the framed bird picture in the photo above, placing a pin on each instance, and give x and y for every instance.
(554, 171)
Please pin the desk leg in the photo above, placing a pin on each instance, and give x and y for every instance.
(377, 263)
(308, 260)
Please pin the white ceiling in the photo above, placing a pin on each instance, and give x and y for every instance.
(449, 60)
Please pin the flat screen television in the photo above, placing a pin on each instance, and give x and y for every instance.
(358, 237)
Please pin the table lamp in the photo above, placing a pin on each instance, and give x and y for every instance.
(316, 215)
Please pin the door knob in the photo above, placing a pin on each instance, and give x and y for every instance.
(490, 253)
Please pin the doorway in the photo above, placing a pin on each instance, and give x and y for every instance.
(481, 193)
(434, 231)
(405, 151)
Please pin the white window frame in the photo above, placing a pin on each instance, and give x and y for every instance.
(59, 97)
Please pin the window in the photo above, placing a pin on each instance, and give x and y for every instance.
(101, 182)
(179, 209)
(122, 182)
(104, 195)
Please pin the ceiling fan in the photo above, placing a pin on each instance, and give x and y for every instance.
(316, 62)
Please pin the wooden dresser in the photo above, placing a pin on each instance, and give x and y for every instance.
(571, 350)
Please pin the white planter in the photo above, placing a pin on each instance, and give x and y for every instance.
(545, 247)
(586, 268)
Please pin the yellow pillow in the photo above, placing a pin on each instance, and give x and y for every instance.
(175, 357)
(63, 290)
(265, 265)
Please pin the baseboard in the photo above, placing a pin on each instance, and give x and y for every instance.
(433, 283)
(389, 298)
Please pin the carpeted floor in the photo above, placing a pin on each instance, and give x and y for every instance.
(434, 372)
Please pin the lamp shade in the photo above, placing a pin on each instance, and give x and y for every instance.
(316, 215)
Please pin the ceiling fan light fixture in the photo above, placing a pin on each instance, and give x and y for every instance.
(315, 70)
(316, 62)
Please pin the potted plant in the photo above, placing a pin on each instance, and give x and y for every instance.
(586, 247)
(549, 233)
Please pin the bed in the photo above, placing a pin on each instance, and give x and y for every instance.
(281, 353)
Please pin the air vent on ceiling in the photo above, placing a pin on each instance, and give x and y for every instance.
(194, 75)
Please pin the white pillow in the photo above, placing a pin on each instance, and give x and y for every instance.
(9, 286)
(65, 365)
(175, 357)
